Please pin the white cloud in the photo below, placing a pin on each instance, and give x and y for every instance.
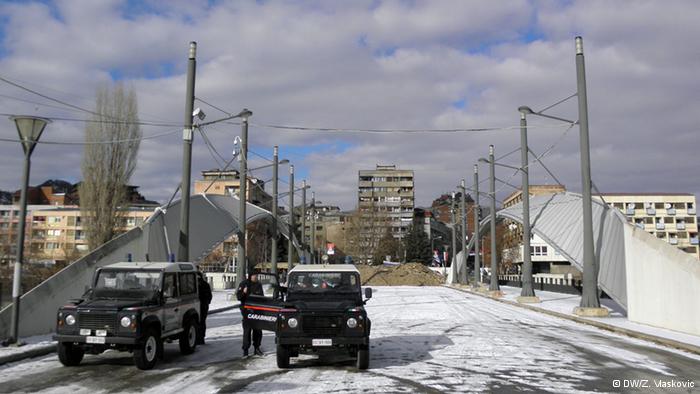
(391, 64)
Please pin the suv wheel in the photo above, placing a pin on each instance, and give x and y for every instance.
(146, 352)
(282, 357)
(188, 337)
(363, 357)
(69, 355)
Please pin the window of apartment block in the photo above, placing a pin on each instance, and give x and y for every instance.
(54, 219)
(71, 220)
(649, 220)
(54, 233)
(52, 245)
(668, 220)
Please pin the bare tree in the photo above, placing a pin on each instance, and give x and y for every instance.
(112, 143)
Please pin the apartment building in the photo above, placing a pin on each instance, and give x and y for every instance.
(668, 216)
(545, 258)
(228, 182)
(54, 233)
(9, 227)
(386, 198)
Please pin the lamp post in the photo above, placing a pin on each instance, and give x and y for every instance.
(493, 286)
(183, 249)
(275, 168)
(527, 293)
(29, 129)
(477, 236)
(454, 237)
(303, 222)
(242, 266)
(590, 303)
(463, 208)
(290, 248)
(313, 228)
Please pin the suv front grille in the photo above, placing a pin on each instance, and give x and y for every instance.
(98, 321)
(322, 325)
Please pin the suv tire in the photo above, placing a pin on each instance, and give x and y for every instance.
(363, 357)
(69, 355)
(146, 351)
(282, 357)
(188, 337)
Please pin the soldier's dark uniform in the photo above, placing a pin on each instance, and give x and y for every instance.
(254, 288)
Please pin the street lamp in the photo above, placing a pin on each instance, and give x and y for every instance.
(242, 266)
(493, 286)
(29, 129)
(590, 303)
(527, 293)
(477, 235)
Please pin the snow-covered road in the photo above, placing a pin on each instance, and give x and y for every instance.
(424, 339)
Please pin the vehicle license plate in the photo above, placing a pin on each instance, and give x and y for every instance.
(322, 342)
(95, 340)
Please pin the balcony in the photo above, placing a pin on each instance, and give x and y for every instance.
(673, 241)
(691, 211)
(640, 225)
(670, 211)
(651, 211)
(680, 225)
(694, 240)
(629, 211)
(660, 226)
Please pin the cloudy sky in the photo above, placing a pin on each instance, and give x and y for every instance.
(373, 65)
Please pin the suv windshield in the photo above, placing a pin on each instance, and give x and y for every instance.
(113, 282)
(324, 282)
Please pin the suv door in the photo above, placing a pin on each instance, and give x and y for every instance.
(171, 307)
(261, 311)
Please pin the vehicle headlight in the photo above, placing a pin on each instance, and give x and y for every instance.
(70, 320)
(292, 322)
(352, 323)
(125, 322)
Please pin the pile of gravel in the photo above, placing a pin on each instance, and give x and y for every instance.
(409, 274)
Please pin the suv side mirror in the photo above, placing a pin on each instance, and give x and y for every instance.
(368, 292)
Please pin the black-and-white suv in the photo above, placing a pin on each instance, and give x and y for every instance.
(131, 307)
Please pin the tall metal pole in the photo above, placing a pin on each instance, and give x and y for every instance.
(527, 290)
(477, 236)
(313, 228)
(290, 248)
(463, 207)
(492, 191)
(589, 296)
(275, 180)
(303, 221)
(454, 236)
(17, 278)
(183, 249)
(242, 266)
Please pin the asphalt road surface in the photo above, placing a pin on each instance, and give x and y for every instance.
(424, 339)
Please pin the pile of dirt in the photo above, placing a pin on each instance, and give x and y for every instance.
(409, 274)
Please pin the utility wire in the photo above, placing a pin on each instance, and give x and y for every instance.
(557, 103)
(361, 130)
(212, 105)
(96, 142)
